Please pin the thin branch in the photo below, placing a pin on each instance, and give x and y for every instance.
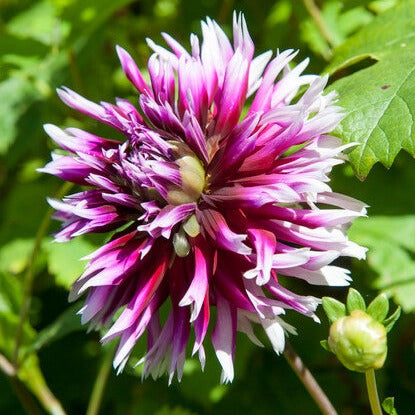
(25, 398)
(315, 14)
(30, 275)
(47, 399)
(308, 380)
(100, 383)
(6, 366)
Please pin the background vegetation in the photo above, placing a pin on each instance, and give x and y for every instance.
(368, 47)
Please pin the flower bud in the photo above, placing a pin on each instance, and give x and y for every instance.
(192, 176)
(358, 341)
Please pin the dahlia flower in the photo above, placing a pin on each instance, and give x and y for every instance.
(219, 188)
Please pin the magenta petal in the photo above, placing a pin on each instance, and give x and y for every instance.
(67, 168)
(131, 70)
(217, 228)
(140, 300)
(232, 96)
(198, 289)
(167, 218)
(265, 245)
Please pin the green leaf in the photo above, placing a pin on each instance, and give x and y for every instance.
(18, 220)
(15, 255)
(177, 410)
(8, 327)
(11, 294)
(340, 24)
(379, 100)
(64, 260)
(379, 307)
(392, 319)
(325, 345)
(391, 243)
(39, 22)
(389, 406)
(334, 309)
(68, 322)
(16, 97)
(355, 301)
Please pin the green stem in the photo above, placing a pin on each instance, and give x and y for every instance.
(308, 380)
(373, 392)
(315, 14)
(25, 398)
(30, 275)
(100, 383)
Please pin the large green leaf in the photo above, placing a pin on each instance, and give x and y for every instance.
(379, 99)
(14, 255)
(39, 22)
(64, 260)
(391, 243)
(16, 97)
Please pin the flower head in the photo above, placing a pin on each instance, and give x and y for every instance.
(209, 204)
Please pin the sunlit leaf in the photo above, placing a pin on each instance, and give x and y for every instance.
(355, 301)
(333, 308)
(391, 243)
(64, 260)
(379, 307)
(379, 100)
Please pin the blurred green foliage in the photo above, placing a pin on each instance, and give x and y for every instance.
(47, 43)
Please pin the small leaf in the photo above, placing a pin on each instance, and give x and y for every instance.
(389, 406)
(392, 319)
(333, 308)
(325, 345)
(355, 301)
(379, 307)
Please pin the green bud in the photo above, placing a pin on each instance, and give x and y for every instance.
(359, 341)
(192, 176)
(181, 244)
(191, 226)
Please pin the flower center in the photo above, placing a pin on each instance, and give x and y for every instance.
(192, 176)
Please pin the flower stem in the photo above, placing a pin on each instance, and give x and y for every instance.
(308, 380)
(373, 392)
(100, 382)
(22, 392)
(25, 398)
(30, 275)
(315, 14)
